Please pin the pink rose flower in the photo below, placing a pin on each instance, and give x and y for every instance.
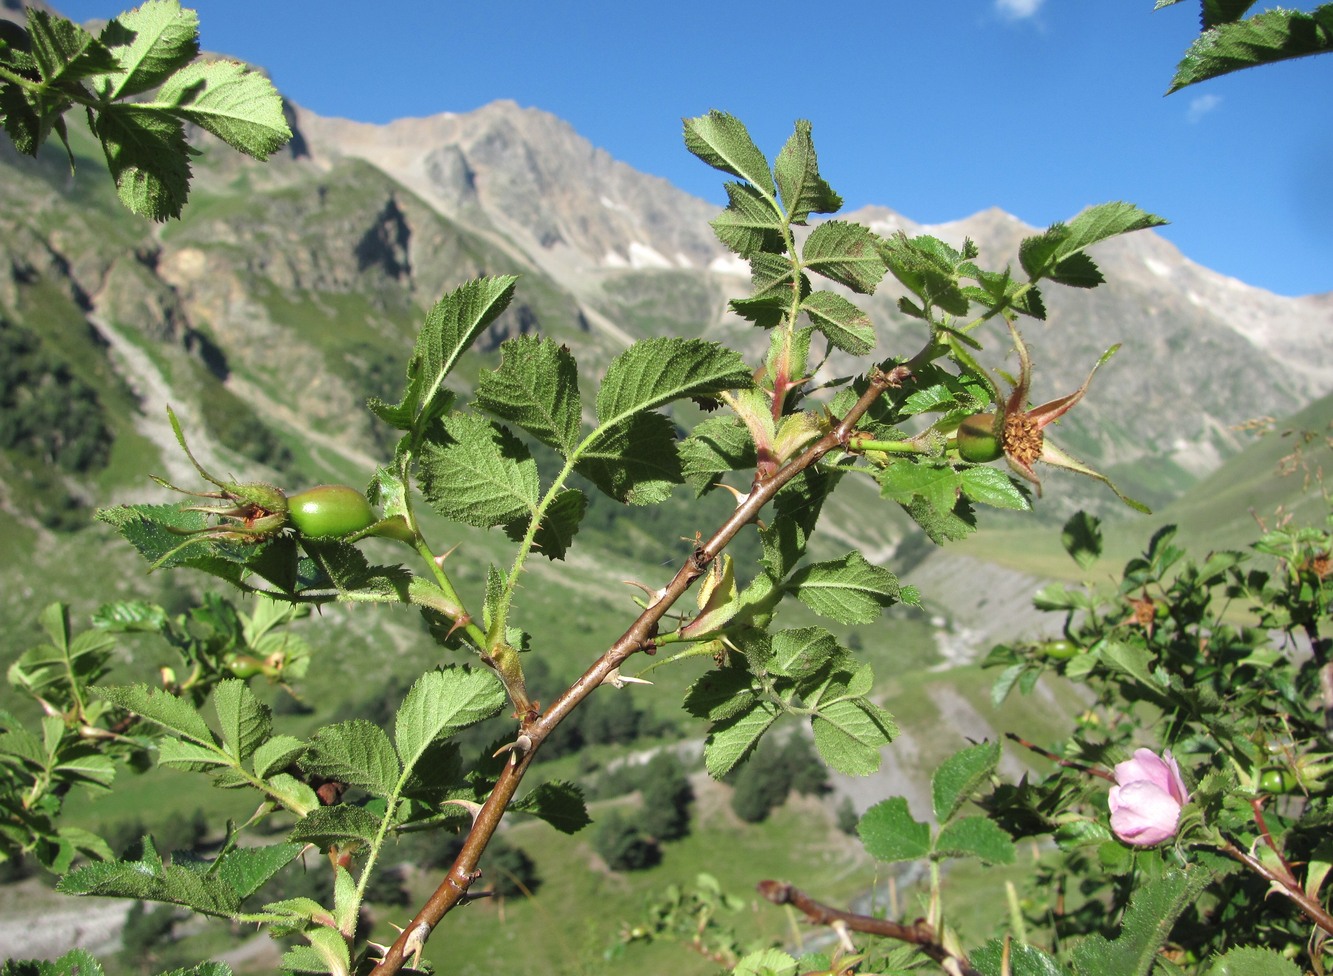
(1147, 797)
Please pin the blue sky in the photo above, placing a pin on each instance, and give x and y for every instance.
(936, 109)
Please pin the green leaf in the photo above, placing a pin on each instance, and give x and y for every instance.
(148, 157)
(1267, 37)
(1152, 913)
(64, 52)
(190, 757)
(246, 869)
(293, 794)
(655, 372)
(849, 735)
(846, 253)
(484, 476)
(723, 142)
(800, 653)
(751, 224)
(1082, 538)
(717, 446)
(766, 962)
(938, 485)
(890, 834)
(774, 284)
(327, 953)
(1057, 253)
(1022, 960)
(356, 752)
(276, 754)
(76, 962)
(243, 719)
(731, 739)
(450, 329)
(149, 879)
(849, 590)
(841, 322)
(977, 837)
(797, 169)
(536, 387)
(559, 803)
(333, 826)
(721, 694)
(991, 486)
(440, 703)
(959, 776)
(150, 42)
(560, 523)
(929, 268)
(239, 106)
(1253, 961)
(635, 461)
(161, 708)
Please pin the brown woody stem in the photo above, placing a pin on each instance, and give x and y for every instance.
(638, 637)
(918, 933)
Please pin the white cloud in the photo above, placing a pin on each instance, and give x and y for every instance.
(1018, 9)
(1202, 105)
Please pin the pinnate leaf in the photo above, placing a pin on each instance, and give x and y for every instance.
(1057, 252)
(890, 833)
(148, 157)
(841, 322)
(803, 190)
(243, 719)
(750, 225)
(655, 372)
(991, 486)
(716, 446)
(559, 803)
(959, 776)
(731, 740)
(560, 523)
(849, 590)
(977, 837)
(62, 51)
(275, 754)
(440, 703)
(149, 42)
(355, 752)
(330, 826)
(849, 735)
(161, 708)
(484, 476)
(451, 327)
(1267, 37)
(535, 387)
(723, 142)
(634, 461)
(721, 694)
(846, 253)
(246, 869)
(225, 97)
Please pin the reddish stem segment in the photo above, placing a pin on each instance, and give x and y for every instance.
(919, 933)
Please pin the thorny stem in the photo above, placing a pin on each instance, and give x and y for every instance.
(1285, 883)
(1053, 757)
(919, 933)
(639, 637)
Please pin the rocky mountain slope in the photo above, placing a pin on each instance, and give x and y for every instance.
(291, 290)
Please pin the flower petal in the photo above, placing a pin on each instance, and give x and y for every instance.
(1143, 814)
